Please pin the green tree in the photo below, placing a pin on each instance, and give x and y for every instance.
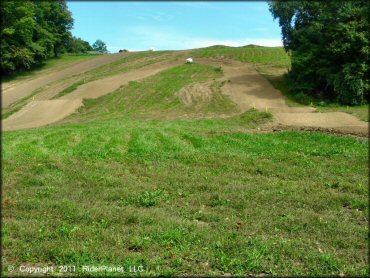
(77, 45)
(99, 45)
(329, 46)
(17, 44)
(53, 17)
(31, 32)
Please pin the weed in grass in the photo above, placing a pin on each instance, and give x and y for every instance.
(69, 89)
(216, 200)
(147, 198)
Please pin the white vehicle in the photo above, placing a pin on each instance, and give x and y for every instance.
(152, 49)
(189, 60)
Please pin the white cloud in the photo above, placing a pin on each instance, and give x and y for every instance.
(159, 16)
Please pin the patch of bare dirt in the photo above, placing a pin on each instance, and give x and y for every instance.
(329, 119)
(195, 93)
(352, 131)
(51, 90)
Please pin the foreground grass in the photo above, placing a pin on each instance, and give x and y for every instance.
(186, 196)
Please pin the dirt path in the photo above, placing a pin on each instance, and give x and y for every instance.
(327, 120)
(39, 113)
(23, 89)
(106, 85)
(248, 89)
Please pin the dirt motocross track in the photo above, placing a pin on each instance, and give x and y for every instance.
(245, 86)
(13, 92)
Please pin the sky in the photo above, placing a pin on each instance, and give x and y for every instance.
(174, 25)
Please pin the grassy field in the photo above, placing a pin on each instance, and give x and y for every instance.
(186, 196)
(133, 178)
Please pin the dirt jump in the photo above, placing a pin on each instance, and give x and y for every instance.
(245, 86)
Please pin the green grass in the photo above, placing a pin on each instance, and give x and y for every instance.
(186, 196)
(361, 112)
(121, 66)
(62, 61)
(257, 55)
(133, 179)
(155, 96)
(69, 89)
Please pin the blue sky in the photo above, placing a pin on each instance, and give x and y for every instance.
(174, 25)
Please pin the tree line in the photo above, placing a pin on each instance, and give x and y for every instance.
(329, 46)
(34, 31)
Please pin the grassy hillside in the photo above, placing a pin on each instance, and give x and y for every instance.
(59, 62)
(275, 56)
(156, 96)
(134, 178)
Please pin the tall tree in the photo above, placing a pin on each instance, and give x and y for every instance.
(77, 45)
(100, 46)
(18, 25)
(329, 46)
(55, 18)
(32, 31)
